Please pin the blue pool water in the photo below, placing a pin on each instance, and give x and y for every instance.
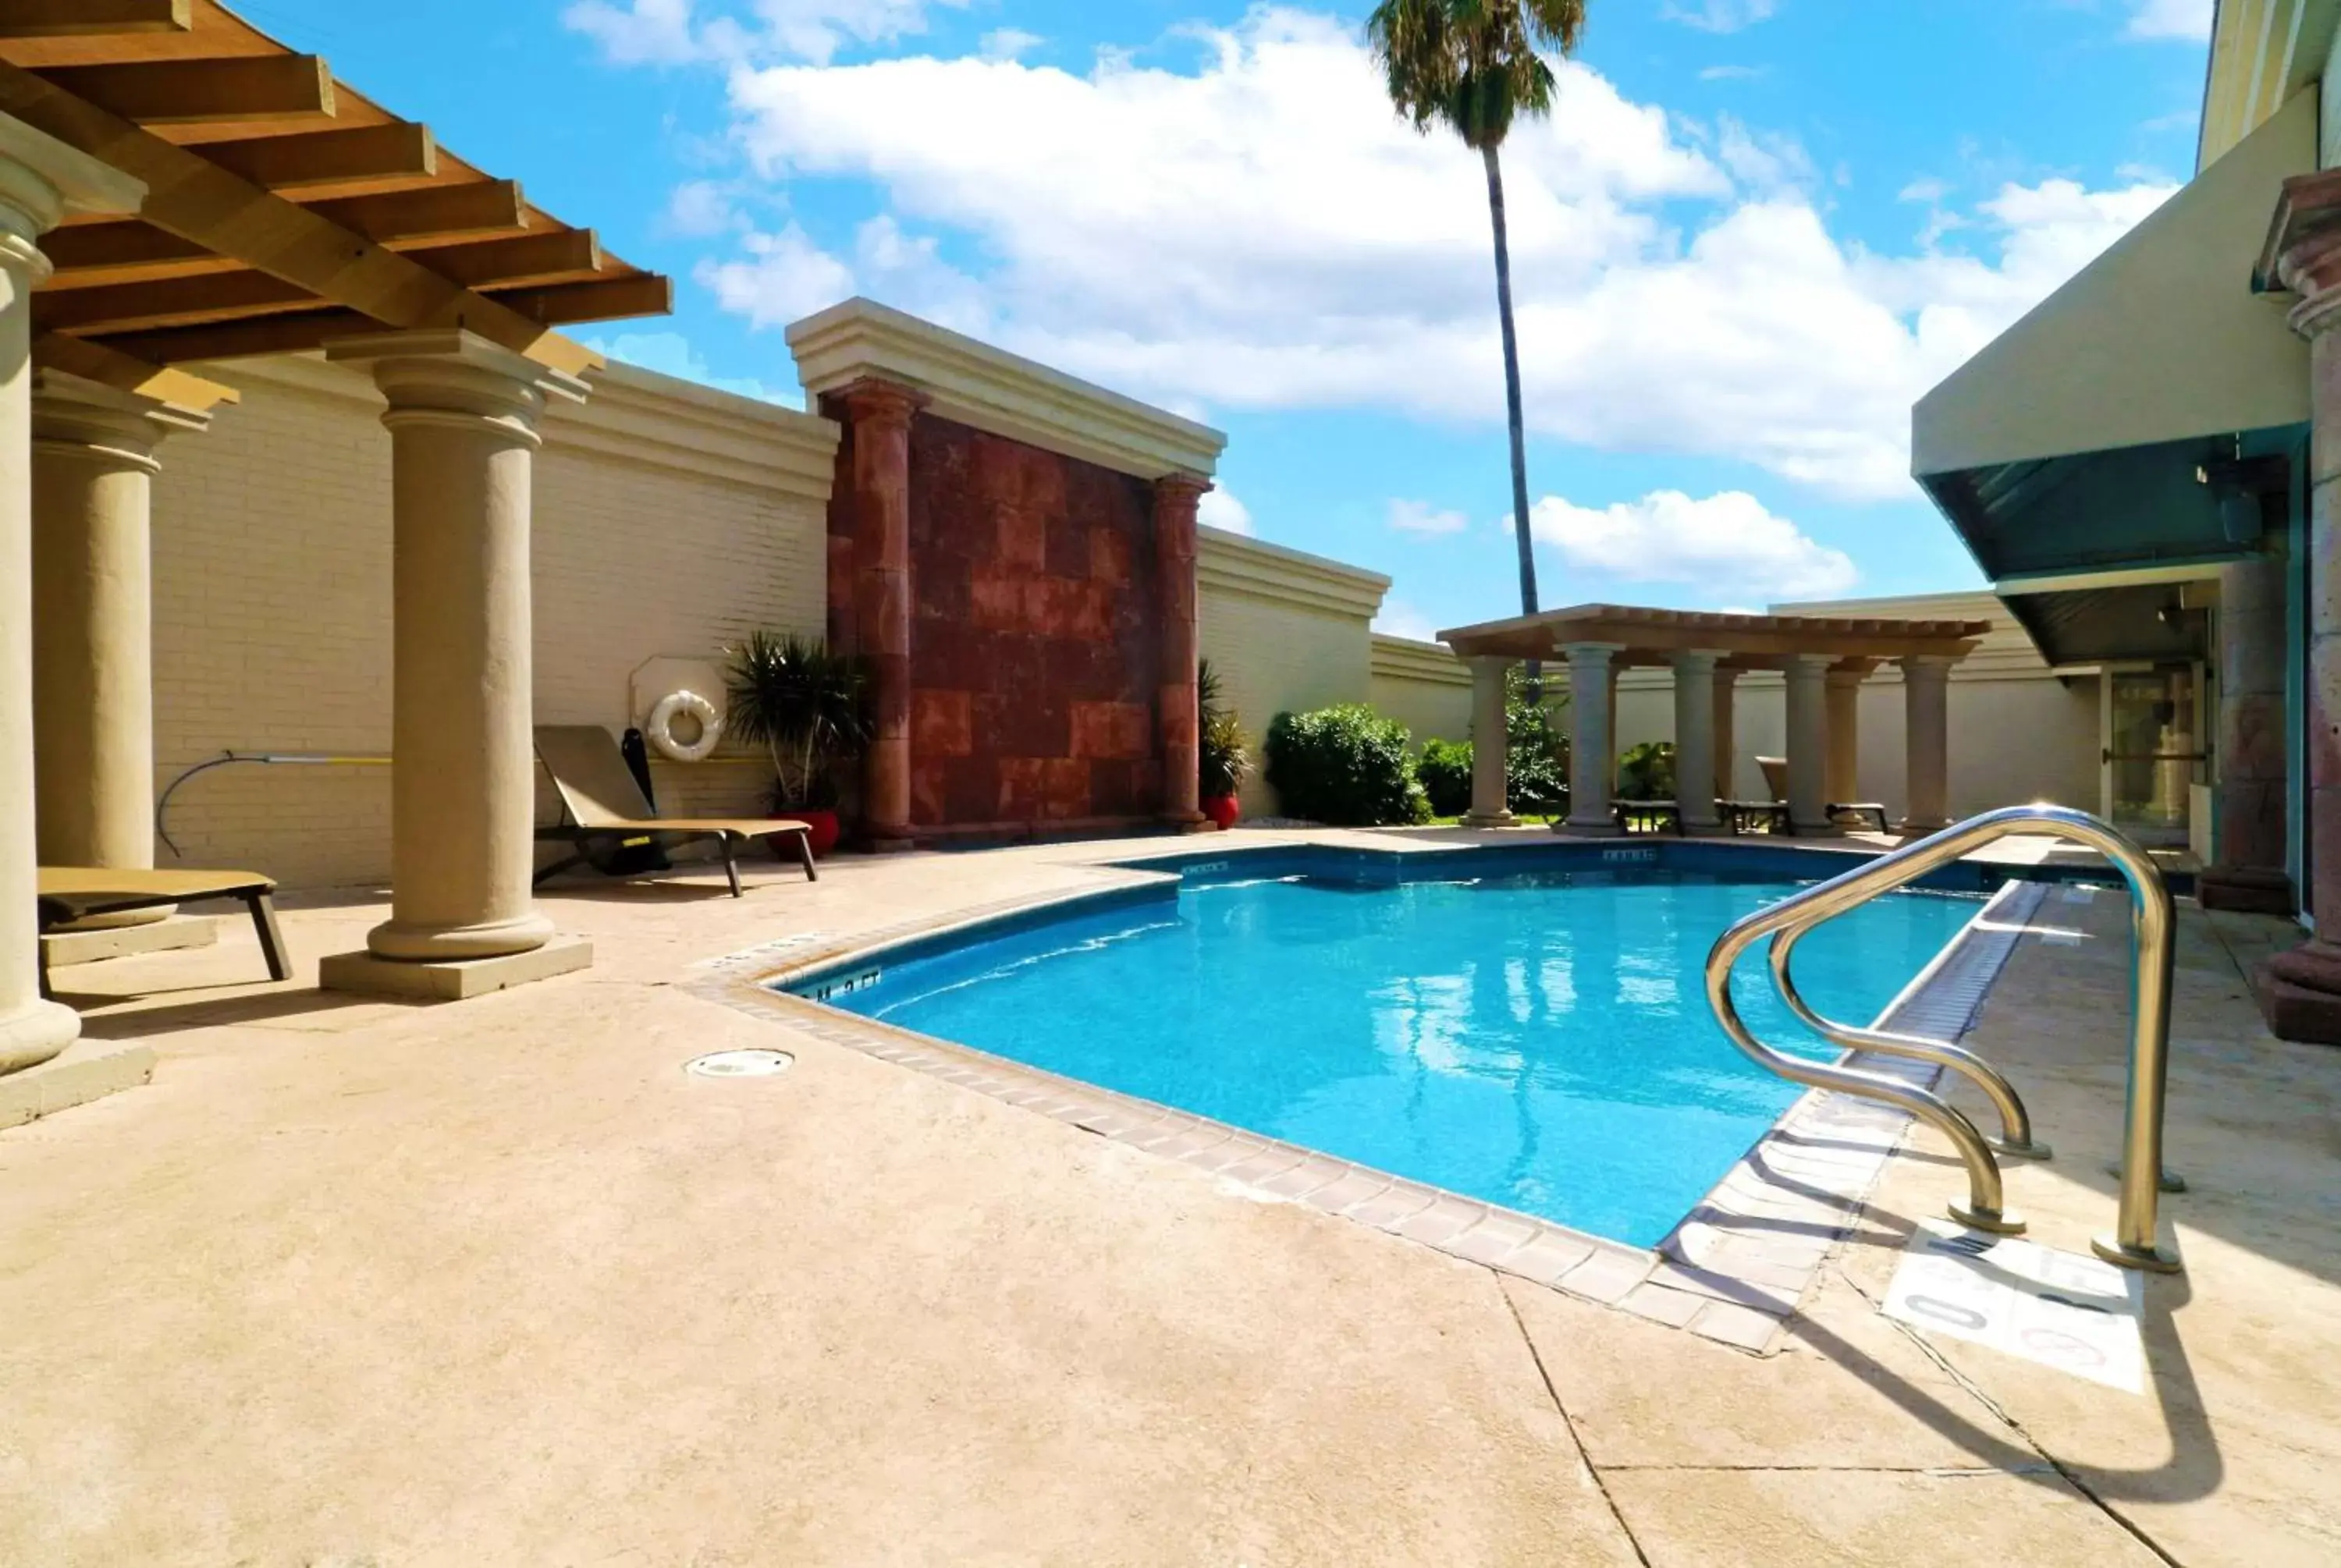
(1539, 1042)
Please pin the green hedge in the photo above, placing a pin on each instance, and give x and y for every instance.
(1345, 765)
(1444, 770)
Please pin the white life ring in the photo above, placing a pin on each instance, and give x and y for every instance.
(661, 727)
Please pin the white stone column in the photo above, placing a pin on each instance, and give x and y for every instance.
(1593, 742)
(1808, 675)
(93, 635)
(1927, 726)
(1490, 787)
(463, 417)
(1727, 734)
(1841, 777)
(1695, 752)
(41, 180)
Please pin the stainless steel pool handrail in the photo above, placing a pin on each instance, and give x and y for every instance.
(2135, 1242)
(2015, 1140)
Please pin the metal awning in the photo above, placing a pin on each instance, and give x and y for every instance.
(2104, 430)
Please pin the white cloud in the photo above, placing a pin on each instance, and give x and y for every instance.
(671, 354)
(1226, 238)
(1221, 509)
(699, 208)
(1726, 544)
(679, 32)
(2188, 20)
(1927, 189)
(783, 277)
(1731, 73)
(1421, 517)
(1719, 15)
(1009, 43)
(1400, 619)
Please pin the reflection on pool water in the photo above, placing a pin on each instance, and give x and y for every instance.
(1542, 1042)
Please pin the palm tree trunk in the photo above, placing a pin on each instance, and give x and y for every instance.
(1512, 404)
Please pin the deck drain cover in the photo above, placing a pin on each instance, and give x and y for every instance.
(742, 1064)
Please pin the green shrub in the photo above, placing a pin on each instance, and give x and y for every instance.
(1647, 772)
(1536, 761)
(1345, 765)
(1444, 770)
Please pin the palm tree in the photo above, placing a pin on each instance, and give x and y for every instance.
(1472, 66)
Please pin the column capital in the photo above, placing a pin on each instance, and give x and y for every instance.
(1933, 663)
(1591, 652)
(876, 401)
(447, 375)
(1850, 671)
(1693, 658)
(1179, 486)
(42, 179)
(1495, 663)
(77, 417)
(2303, 251)
(1806, 663)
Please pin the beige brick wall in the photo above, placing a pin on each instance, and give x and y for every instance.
(1422, 686)
(668, 520)
(1286, 631)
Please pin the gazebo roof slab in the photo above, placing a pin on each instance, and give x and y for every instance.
(1642, 637)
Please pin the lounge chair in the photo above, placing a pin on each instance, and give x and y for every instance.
(69, 893)
(606, 810)
(1776, 779)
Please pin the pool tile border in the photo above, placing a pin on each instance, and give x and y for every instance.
(1732, 1272)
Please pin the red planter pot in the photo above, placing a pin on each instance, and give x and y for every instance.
(823, 824)
(1222, 810)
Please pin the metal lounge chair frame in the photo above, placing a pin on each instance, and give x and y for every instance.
(604, 808)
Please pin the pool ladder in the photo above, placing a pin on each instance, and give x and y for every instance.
(2134, 1242)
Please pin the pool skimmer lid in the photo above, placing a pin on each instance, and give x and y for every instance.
(741, 1064)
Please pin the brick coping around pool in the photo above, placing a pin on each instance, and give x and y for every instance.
(1732, 1271)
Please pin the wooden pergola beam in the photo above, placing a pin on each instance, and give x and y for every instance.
(285, 334)
(111, 367)
(194, 91)
(401, 151)
(563, 255)
(90, 18)
(611, 300)
(191, 196)
(173, 302)
(88, 255)
(481, 209)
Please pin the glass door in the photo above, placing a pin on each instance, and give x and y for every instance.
(2150, 723)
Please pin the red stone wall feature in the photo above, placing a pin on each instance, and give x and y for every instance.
(1176, 500)
(1036, 653)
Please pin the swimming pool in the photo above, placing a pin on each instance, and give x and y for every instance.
(1541, 1040)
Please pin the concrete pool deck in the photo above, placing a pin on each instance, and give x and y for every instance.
(354, 1281)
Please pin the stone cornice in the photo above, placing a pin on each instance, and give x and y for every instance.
(1234, 563)
(1403, 659)
(973, 383)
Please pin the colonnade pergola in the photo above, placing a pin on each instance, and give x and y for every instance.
(175, 187)
(1823, 661)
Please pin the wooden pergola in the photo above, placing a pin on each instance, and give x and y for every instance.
(177, 188)
(1823, 659)
(284, 210)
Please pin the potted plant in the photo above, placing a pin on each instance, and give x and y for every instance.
(1220, 753)
(810, 708)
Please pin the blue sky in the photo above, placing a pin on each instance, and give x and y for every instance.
(1753, 232)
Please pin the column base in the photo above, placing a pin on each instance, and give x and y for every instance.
(451, 979)
(2245, 890)
(1919, 827)
(1186, 821)
(882, 845)
(1606, 828)
(1718, 828)
(34, 1035)
(87, 1071)
(2299, 994)
(61, 948)
(402, 943)
(1488, 820)
(1824, 829)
